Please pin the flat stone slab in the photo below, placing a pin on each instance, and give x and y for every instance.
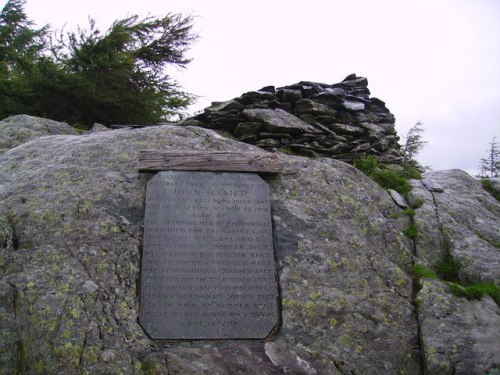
(279, 121)
(398, 198)
(432, 185)
(208, 268)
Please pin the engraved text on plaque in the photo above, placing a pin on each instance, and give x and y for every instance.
(208, 268)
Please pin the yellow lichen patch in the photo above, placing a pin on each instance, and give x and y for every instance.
(314, 308)
(332, 263)
(290, 303)
(64, 288)
(68, 354)
(314, 295)
(38, 367)
(91, 354)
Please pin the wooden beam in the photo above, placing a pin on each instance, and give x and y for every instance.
(208, 161)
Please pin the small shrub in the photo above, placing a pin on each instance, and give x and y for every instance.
(447, 269)
(388, 178)
(409, 212)
(420, 270)
(366, 165)
(411, 231)
(411, 171)
(391, 180)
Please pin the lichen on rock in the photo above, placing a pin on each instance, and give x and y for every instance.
(71, 227)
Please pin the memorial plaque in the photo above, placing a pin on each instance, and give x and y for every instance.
(208, 268)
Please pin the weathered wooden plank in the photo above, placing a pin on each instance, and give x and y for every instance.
(153, 160)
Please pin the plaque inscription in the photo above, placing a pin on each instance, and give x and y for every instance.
(208, 269)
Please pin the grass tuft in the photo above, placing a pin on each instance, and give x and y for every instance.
(420, 270)
(476, 290)
(417, 203)
(408, 212)
(411, 231)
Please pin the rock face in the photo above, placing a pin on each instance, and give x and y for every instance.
(461, 222)
(71, 227)
(16, 130)
(458, 221)
(459, 336)
(308, 118)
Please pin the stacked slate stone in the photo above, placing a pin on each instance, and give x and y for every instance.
(312, 119)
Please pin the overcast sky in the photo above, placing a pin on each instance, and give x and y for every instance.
(432, 60)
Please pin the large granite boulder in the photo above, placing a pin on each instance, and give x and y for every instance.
(71, 216)
(71, 227)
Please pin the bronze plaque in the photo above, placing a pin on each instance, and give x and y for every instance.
(208, 268)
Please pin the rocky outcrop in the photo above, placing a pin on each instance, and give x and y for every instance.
(16, 130)
(461, 222)
(72, 210)
(71, 226)
(458, 223)
(308, 118)
(459, 336)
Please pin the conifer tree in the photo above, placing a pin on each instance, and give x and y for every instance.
(116, 77)
(413, 142)
(490, 166)
(20, 46)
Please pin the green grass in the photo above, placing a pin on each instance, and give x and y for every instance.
(411, 231)
(387, 178)
(420, 270)
(471, 291)
(366, 165)
(417, 203)
(447, 269)
(408, 212)
(476, 290)
(391, 180)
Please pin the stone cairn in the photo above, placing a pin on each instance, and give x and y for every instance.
(311, 119)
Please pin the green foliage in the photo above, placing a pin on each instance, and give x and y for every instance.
(411, 231)
(366, 165)
(471, 291)
(413, 142)
(417, 203)
(387, 178)
(409, 212)
(490, 166)
(20, 45)
(420, 270)
(447, 269)
(487, 186)
(390, 179)
(476, 290)
(411, 170)
(116, 77)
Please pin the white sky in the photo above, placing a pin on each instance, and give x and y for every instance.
(432, 60)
